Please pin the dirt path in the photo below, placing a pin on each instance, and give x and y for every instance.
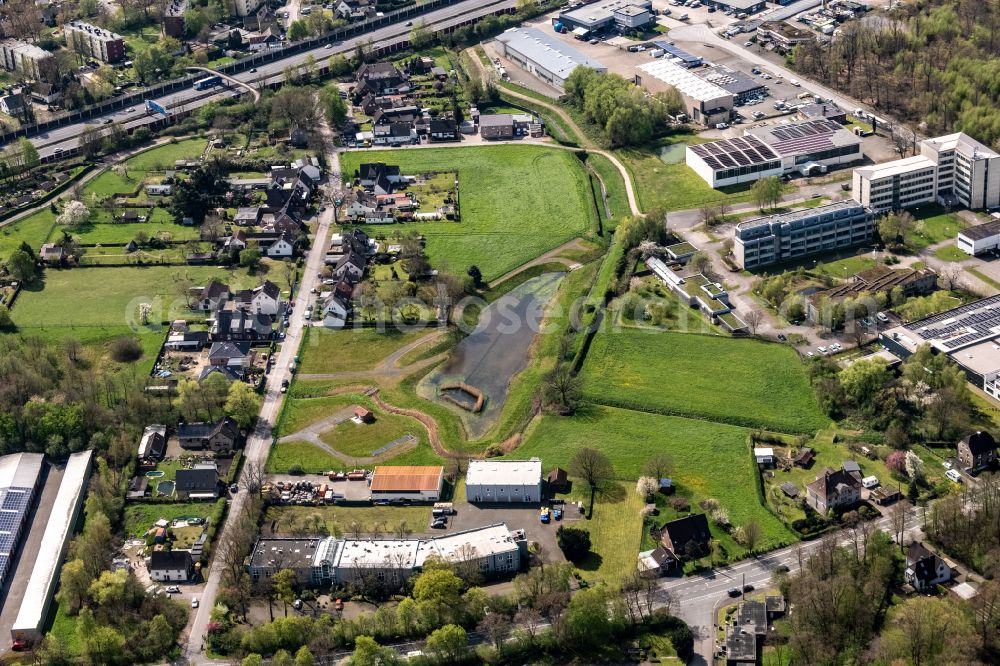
(585, 142)
(387, 368)
(549, 257)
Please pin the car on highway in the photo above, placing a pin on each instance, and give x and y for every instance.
(57, 151)
(782, 568)
(748, 588)
(130, 109)
(409, 23)
(253, 70)
(734, 592)
(328, 46)
(107, 121)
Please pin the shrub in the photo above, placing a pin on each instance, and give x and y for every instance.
(573, 541)
(296, 470)
(896, 462)
(709, 504)
(126, 350)
(680, 504)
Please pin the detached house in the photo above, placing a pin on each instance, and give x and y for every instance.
(335, 311)
(173, 566)
(380, 78)
(350, 267)
(977, 451)
(924, 569)
(232, 354)
(263, 300)
(199, 483)
(219, 437)
(213, 296)
(833, 489)
(280, 247)
(153, 445)
(686, 537)
(379, 178)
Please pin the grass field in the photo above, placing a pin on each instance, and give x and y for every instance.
(711, 460)
(140, 517)
(345, 520)
(301, 412)
(33, 230)
(110, 233)
(615, 533)
(516, 202)
(111, 296)
(614, 186)
(350, 350)
(361, 440)
(933, 226)
(950, 253)
(673, 186)
(155, 159)
(744, 382)
(312, 459)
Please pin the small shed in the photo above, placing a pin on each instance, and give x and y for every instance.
(666, 486)
(558, 480)
(805, 457)
(790, 489)
(363, 414)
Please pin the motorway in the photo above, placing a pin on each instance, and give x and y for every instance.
(66, 138)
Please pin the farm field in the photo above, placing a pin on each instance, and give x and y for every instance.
(537, 201)
(711, 460)
(110, 296)
(350, 350)
(743, 382)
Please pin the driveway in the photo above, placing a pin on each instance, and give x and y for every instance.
(515, 516)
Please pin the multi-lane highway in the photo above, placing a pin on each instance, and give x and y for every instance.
(65, 139)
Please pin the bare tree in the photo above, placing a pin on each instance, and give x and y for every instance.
(899, 517)
(753, 318)
(950, 275)
(529, 619)
(902, 140)
(659, 466)
(594, 469)
(752, 534)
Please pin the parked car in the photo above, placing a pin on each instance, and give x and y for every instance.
(822, 350)
(173, 589)
(234, 487)
(781, 337)
(194, 602)
(748, 43)
(284, 386)
(721, 125)
(810, 354)
(19, 645)
(947, 464)
(882, 317)
(545, 515)
(954, 475)
(297, 604)
(439, 523)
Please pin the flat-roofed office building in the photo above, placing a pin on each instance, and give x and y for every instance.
(790, 236)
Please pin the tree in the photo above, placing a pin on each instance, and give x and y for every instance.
(950, 276)
(659, 466)
(420, 35)
(334, 106)
(126, 349)
(914, 634)
(766, 192)
(700, 262)
(91, 141)
(22, 266)
(6, 321)
(28, 153)
(304, 657)
(243, 404)
(586, 619)
(646, 487)
(74, 584)
(369, 653)
(476, 275)
(104, 646)
(285, 581)
(573, 541)
(250, 258)
(448, 643)
(896, 228)
(73, 214)
(752, 534)
(903, 139)
(562, 388)
(252, 659)
(594, 469)
(753, 318)
(497, 626)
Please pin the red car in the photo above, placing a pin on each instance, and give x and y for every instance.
(20, 645)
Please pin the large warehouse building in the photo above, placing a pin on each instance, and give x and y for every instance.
(806, 147)
(546, 57)
(55, 540)
(742, 86)
(980, 238)
(704, 101)
(954, 170)
(420, 484)
(504, 481)
(789, 236)
(19, 477)
(968, 334)
(491, 550)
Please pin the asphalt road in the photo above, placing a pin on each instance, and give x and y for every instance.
(695, 598)
(65, 138)
(259, 443)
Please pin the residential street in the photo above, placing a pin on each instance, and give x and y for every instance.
(259, 442)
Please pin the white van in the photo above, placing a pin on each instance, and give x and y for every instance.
(954, 475)
(795, 82)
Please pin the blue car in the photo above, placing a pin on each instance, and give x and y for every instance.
(557, 514)
(544, 516)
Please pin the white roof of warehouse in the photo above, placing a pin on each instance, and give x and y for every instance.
(680, 77)
(504, 472)
(478, 542)
(20, 470)
(58, 532)
(551, 54)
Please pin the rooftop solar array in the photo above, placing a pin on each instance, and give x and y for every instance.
(22, 469)
(736, 152)
(966, 324)
(804, 137)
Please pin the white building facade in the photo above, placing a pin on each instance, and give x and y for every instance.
(504, 481)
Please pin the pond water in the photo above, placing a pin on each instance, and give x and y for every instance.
(673, 154)
(165, 488)
(493, 353)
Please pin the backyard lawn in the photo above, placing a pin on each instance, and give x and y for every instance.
(33, 230)
(615, 533)
(111, 296)
(743, 382)
(301, 412)
(517, 202)
(673, 186)
(711, 460)
(354, 349)
(140, 517)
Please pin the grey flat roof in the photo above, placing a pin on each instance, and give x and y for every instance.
(806, 136)
(794, 216)
(730, 80)
(547, 52)
(981, 231)
(600, 12)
